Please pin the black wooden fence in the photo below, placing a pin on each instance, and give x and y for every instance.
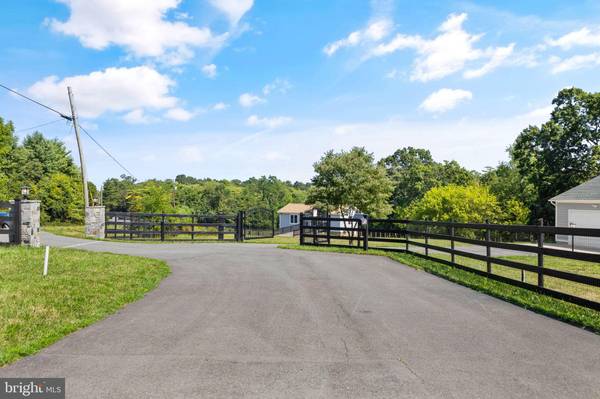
(254, 223)
(513, 254)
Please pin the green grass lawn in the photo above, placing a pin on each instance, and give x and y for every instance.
(581, 316)
(68, 230)
(81, 288)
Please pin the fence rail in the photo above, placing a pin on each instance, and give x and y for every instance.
(254, 223)
(524, 256)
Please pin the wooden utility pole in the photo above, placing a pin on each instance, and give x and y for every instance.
(86, 198)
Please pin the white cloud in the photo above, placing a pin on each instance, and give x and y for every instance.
(445, 99)
(374, 32)
(497, 57)
(575, 62)
(138, 117)
(190, 153)
(277, 86)
(139, 26)
(584, 37)
(110, 90)
(220, 106)
(248, 100)
(180, 114)
(447, 53)
(540, 114)
(269, 123)
(210, 71)
(233, 9)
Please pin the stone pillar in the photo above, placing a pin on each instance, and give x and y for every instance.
(30, 222)
(95, 221)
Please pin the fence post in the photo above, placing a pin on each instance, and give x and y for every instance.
(301, 228)
(242, 225)
(366, 233)
(406, 236)
(426, 240)
(452, 256)
(192, 229)
(328, 229)
(221, 227)
(540, 255)
(17, 222)
(488, 249)
(162, 228)
(130, 227)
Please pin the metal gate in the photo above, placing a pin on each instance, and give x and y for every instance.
(258, 223)
(9, 220)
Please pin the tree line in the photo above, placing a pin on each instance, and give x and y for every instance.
(543, 162)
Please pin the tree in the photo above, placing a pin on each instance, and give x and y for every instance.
(44, 157)
(473, 203)
(8, 145)
(61, 198)
(115, 192)
(351, 179)
(562, 152)
(414, 172)
(151, 197)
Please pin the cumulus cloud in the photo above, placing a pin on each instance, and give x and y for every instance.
(110, 90)
(279, 85)
(374, 32)
(180, 114)
(449, 52)
(584, 37)
(210, 71)
(139, 26)
(220, 106)
(138, 117)
(233, 9)
(445, 99)
(268, 123)
(248, 100)
(575, 62)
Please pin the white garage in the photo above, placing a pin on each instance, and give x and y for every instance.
(579, 207)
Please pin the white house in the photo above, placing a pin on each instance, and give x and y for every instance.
(579, 207)
(289, 216)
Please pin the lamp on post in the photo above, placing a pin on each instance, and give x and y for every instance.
(24, 192)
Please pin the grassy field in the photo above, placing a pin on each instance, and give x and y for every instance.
(81, 288)
(68, 230)
(565, 311)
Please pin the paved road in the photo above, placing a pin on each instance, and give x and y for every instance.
(255, 321)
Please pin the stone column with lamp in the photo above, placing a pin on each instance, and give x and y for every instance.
(27, 220)
(95, 221)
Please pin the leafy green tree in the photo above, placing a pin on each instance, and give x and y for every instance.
(562, 152)
(414, 172)
(351, 179)
(60, 197)
(473, 203)
(115, 192)
(152, 197)
(8, 145)
(44, 157)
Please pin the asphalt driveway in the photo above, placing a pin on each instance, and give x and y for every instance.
(247, 320)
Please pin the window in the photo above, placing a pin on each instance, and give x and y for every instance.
(293, 219)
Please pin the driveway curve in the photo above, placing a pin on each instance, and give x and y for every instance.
(250, 320)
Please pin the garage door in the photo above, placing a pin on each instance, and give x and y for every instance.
(585, 219)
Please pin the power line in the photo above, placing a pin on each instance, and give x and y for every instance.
(69, 119)
(35, 127)
(105, 151)
(37, 102)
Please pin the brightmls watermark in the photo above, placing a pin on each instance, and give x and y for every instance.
(38, 388)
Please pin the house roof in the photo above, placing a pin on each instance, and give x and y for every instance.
(295, 208)
(590, 190)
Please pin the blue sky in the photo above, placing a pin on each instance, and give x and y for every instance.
(240, 88)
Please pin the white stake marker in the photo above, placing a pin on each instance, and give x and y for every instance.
(46, 260)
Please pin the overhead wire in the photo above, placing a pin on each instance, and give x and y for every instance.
(70, 119)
